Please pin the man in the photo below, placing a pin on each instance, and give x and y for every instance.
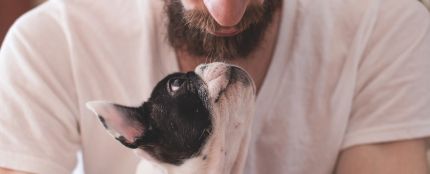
(342, 85)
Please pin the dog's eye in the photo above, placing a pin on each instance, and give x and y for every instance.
(175, 84)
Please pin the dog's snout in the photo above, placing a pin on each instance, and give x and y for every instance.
(212, 71)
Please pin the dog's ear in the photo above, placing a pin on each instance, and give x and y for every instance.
(126, 124)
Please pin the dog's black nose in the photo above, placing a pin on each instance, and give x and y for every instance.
(190, 73)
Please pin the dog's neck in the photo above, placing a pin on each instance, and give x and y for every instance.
(228, 148)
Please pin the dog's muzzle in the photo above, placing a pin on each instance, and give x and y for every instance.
(219, 77)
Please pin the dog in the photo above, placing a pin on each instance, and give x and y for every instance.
(197, 122)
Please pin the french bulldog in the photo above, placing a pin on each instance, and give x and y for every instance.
(193, 123)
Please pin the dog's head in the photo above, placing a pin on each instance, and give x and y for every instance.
(175, 123)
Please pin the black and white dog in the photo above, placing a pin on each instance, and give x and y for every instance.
(194, 123)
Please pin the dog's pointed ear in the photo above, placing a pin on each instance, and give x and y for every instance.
(126, 124)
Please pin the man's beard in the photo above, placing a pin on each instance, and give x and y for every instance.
(188, 31)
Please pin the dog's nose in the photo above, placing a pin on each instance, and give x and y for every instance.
(190, 74)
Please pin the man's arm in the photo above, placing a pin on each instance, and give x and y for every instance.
(39, 105)
(8, 171)
(386, 158)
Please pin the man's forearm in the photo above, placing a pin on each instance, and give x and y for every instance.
(405, 157)
(8, 171)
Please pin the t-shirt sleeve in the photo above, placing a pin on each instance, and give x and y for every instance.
(38, 125)
(392, 95)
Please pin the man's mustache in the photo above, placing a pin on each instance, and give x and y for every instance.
(201, 19)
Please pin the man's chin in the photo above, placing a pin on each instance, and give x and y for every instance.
(225, 32)
(222, 42)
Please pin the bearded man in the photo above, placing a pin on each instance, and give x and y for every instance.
(342, 85)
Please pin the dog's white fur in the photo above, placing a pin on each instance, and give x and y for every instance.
(226, 149)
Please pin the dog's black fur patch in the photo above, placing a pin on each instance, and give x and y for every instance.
(239, 75)
(176, 123)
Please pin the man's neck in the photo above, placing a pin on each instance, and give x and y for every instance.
(257, 63)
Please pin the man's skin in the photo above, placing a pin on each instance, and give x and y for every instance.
(401, 157)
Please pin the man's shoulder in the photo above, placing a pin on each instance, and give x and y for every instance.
(60, 20)
(36, 42)
(39, 22)
(354, 12)
(350, 21)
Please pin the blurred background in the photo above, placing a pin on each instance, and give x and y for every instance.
(10, 10)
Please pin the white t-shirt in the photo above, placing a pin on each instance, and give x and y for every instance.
(344, 73)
